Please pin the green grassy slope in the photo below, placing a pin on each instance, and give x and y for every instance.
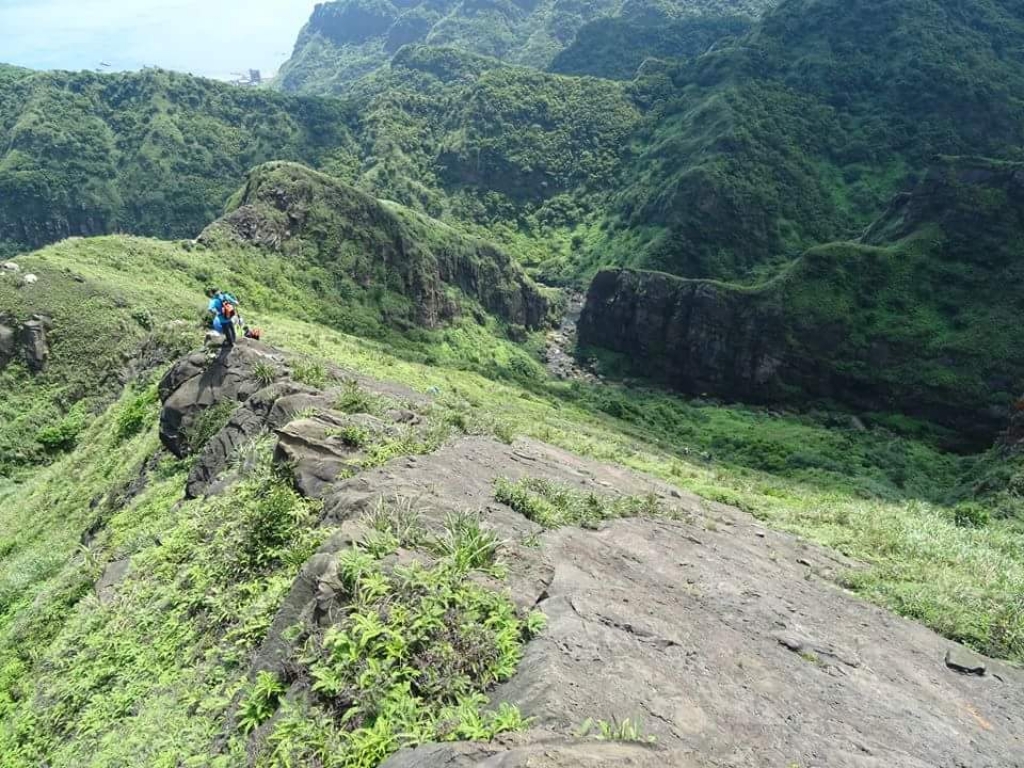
(149, 676)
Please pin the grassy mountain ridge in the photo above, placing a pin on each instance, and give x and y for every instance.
(410, 268)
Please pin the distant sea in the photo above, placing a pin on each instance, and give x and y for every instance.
(213, 38)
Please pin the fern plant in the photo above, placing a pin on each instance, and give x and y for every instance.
(262, 701)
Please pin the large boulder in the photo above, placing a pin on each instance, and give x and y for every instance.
(33, 344)
(262, 410)
(8, 345)
(200, 381)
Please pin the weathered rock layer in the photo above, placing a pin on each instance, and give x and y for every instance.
(729, 643)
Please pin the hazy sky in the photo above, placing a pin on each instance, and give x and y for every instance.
(205, 37)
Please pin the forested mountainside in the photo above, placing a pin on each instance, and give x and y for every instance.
(153, 153)
(899, 321)
(346, 40)
(723, 163)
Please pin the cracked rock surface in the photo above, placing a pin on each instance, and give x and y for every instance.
(729, 643)
(721, 639)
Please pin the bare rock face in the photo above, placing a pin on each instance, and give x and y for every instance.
(26, 341)
(8, 345)
(727, 644)
(33, 344)
(200, 381)
(699, 337)
(551, 752)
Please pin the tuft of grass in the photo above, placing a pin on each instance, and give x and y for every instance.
(262, 701)
(208, 423)
(63, 434)
(554, 505)
(467, 544)
(311, 372)
(354, 399)
(408, 442)
(615, 730)
(264, 372)
(398, 520)
(137, 413)
(352, 436)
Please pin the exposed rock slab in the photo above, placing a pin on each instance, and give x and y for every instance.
(549, 752)
(316, 451)
(719, 639)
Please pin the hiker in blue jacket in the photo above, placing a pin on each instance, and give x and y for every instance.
(224, 308)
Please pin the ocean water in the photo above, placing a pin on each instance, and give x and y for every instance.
(214, 38)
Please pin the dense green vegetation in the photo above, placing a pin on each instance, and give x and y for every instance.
(152, 153)
(615, 48)
(902, 321)
(346, 40)
(801, 131)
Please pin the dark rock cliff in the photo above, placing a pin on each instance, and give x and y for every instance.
(25, 341)
(696, 335)
(919, 317)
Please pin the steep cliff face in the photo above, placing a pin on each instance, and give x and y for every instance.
(354, 244)
(699, 336)
(902, 322)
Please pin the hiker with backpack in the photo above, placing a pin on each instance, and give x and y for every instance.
(224, 308)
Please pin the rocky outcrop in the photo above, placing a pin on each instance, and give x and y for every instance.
(717, 637)
(327, 446)
(33, 344)
(8, 345)
(26, 341)
(199, 382)
(721, 639)
(372, 246)
(318, 444)
(274, 405)
(700, 337)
